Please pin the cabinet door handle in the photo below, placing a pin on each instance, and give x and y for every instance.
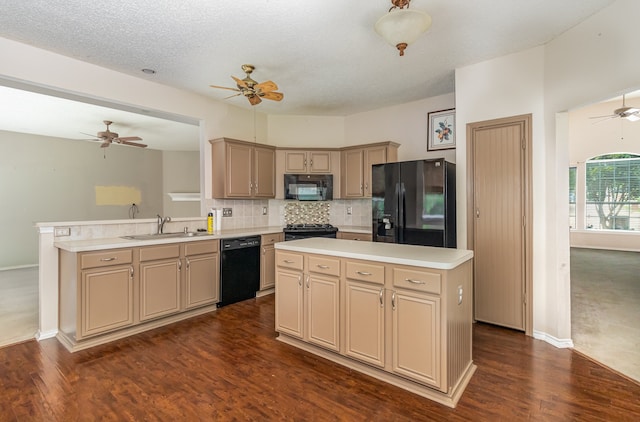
(307, 281)
(264, 251)
(131, 272)
(300, 280)
(188, 263)
(288, 261)
(414, 281)
(363, 273)
(381, 296)
(393, 301)
(179, 265)
(324, 267)
(112, 258)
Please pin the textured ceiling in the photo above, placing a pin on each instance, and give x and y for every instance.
(324, 55)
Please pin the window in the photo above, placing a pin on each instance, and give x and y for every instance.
(613, 192)
(572, 197)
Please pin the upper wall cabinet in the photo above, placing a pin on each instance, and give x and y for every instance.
(307, 162)
(356, 165)
(242, 169)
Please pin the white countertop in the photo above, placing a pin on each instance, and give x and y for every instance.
(418, 256)
(118, 242)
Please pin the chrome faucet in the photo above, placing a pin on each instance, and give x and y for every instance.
(161, 222)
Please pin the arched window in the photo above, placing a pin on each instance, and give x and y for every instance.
(613, 192)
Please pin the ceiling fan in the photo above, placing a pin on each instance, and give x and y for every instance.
(253, 90)
(107, 137)
(624, 112)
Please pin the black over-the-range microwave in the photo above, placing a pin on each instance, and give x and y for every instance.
(308, 187)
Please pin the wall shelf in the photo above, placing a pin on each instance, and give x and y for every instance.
(185, 196)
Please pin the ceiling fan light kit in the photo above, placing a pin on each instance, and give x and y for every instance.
(402, 26)
(252, 90)
(107, 137)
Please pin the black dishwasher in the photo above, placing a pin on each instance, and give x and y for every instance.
(239, 269)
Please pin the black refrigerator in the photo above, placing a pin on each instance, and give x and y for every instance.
(414, 202)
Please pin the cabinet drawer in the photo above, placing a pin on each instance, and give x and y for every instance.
(271, 238)
(424, 281)
(355, 236)
(201, 247)
(364, 271)
(324, 265)
(289, 260)
(105, 258)
(153, 253)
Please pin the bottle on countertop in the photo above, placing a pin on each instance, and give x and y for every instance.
(210, 221)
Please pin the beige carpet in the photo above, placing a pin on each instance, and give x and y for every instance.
(605, 307)
(18, 305)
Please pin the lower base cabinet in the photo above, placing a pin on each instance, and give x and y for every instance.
(411, 323)
(106, 299)
(107, 294)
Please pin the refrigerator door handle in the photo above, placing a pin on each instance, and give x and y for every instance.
(401, 215)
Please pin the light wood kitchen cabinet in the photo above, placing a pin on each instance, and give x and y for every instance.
(97, 294)
(110, 294)
(289, 294)
(366, 237)
(408, 325)
(356, 165)
(242, 170)
(159, 281)
(201, 273)
(322, 301)
(299, 162)
(268, 259)
(365, 312)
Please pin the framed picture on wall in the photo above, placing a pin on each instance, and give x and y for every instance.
(441, 130)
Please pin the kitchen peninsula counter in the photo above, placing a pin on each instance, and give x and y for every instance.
(97, 244)
(399, 313)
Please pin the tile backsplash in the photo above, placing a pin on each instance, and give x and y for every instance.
(249, 213)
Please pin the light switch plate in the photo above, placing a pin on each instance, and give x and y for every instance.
(62, 231)
(227, 212)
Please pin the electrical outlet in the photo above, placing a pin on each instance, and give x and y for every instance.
(349, 210)
(227, 212)
(265, 211)
(62, 231)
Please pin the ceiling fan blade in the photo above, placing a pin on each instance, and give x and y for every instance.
(275, 96)
(224, 87)
(254, 100)
(130, 138)
(240, 82)
(608, 116)
(105, 144)
(266, 86)
(133, 144)
(633, 117)
(231, 96)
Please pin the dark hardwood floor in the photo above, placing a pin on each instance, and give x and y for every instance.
(228, 366)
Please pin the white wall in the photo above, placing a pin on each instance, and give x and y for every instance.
(592, 61)
(405, 124)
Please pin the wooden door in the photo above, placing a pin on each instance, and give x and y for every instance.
(159, 288)
(289, 304)
(352, 172)
(323, 311)
(264, 178)
(364, 322)
(499, 230)
(106, 299)
(416, 341)
(201, 280)
(238, 166)
(373, 155)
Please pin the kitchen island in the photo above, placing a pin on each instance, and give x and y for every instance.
(399, 313)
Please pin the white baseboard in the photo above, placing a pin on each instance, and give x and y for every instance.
(559, 343)
(45, 335)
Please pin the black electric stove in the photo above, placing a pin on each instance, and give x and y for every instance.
(304, 231)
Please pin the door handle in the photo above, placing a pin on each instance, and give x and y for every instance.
(381, 296)
(414, 281)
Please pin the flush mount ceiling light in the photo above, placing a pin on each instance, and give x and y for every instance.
(401, 26)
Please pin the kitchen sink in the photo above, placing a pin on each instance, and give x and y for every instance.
(164, 235)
